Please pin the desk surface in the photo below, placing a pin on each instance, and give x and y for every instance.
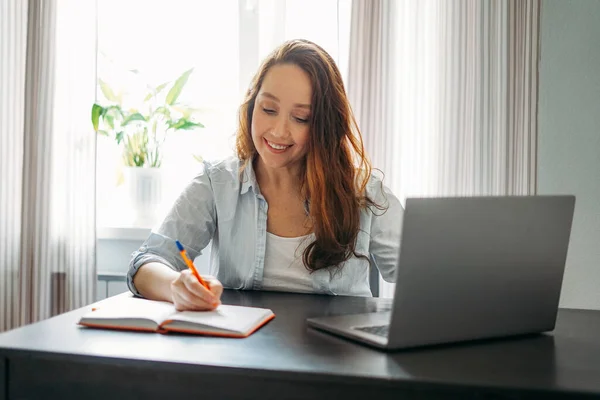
(286, 359)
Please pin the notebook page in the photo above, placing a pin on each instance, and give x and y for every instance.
(132, 308)
(225, 318)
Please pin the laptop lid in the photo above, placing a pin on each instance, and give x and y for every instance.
(479, 267)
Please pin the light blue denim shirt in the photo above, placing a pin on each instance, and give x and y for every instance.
(217, 205)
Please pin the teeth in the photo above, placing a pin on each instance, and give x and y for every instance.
(276, 146)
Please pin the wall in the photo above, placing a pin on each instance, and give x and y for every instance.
(569, 135)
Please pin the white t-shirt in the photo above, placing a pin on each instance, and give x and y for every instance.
(284, 269)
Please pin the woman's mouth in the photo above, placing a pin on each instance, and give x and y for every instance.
(277, 148)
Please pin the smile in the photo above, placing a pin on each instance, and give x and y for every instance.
(276, 146)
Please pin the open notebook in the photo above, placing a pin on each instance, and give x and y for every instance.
(131, 313)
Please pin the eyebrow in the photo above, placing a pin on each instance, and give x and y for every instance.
(273, 97)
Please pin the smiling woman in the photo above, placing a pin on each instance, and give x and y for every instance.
(297, 209)
(247, 31)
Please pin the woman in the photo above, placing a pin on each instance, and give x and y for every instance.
(298, 208)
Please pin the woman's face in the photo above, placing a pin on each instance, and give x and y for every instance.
(280, 120)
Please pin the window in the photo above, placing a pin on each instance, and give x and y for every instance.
(223, 42)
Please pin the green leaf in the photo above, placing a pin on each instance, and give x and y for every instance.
(110, 121)
(108, 92)
(97, 111)
(119, 137)
(114, 111)
(101, 132)
(176, 124)
(178, 87)
(163, 111)
(155, 162)
(197, 157)
(156, 91)
(186, 111)
(184, 124)
(191, 125)
(138, 160)
(133, 117)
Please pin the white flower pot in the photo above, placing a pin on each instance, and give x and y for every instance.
(144, 192)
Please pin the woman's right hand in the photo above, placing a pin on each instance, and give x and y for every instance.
(189, 295)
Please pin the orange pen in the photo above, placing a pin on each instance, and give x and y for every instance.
(190, 264)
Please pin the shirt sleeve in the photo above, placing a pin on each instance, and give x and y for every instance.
(386, 229)
(191, 220)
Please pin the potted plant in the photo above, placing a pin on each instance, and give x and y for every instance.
(141, 131)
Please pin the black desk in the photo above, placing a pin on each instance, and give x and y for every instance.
(286, 359)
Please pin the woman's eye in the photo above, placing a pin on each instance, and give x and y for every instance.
(301, 120)
(269, 111)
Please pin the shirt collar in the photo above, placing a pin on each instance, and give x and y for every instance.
(249, 180)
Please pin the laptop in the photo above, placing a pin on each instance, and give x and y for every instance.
(470, 268)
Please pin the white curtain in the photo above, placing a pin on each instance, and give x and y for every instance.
(47, 159)
(445, 93)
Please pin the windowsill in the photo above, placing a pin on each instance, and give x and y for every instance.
(112, 276)
(122, 233)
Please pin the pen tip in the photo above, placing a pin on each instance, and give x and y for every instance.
(179, 245)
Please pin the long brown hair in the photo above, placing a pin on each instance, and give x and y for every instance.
(336, 171)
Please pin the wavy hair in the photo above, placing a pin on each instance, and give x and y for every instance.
(336, 169)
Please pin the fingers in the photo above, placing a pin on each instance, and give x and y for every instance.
(192, 284)
(185, 300)
(182, 304)
(189, 294)
(215, 286)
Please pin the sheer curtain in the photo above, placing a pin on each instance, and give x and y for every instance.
(446, 94)
(47, 159)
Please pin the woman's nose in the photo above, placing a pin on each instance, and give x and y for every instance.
(280, 127)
